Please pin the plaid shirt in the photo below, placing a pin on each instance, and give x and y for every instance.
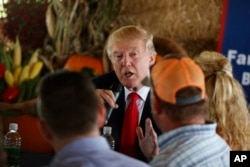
(192, 146)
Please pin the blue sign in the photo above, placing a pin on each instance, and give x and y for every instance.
(234, 40)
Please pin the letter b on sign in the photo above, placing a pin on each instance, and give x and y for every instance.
(246, 78)
(239, 158)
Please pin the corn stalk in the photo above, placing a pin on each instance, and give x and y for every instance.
(81, 26)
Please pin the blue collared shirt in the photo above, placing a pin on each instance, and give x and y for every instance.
(192, 146)
(92, 152)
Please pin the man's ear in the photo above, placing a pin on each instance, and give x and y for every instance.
(101, 115)
(152, 60)
(45, 130)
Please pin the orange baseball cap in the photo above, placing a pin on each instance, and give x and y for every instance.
(171, 74)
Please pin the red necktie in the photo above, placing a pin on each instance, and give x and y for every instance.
(128, 138)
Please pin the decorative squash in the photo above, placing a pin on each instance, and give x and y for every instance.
(32, 139)
(78, 62)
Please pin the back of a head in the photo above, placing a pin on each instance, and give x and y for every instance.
(220, 82)
(179, 83)
(212, 62)
(226, 99)
(68, 103)
(218, 75)
(130, 33)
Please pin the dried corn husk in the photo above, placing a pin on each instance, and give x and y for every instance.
(50, 20)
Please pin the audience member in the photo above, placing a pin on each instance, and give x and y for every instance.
(71, 116)
(226, 100)
(179, 108)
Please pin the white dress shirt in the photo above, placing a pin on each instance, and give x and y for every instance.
(143, 93)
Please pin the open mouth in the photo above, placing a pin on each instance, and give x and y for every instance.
(128, 74)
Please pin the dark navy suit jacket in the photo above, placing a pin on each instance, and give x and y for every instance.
(116, 119)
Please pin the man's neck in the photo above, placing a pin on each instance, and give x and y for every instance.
(171, 125)
(58, 143)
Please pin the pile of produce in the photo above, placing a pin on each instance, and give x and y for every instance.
(18, 75)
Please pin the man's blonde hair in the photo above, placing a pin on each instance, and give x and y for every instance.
(129, 33)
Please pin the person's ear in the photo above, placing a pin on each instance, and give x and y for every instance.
(152, 60)
(45, 131)
(101, 115)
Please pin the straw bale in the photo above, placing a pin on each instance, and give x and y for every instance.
(194, 24)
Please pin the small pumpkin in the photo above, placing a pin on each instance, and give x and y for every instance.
(80, 62)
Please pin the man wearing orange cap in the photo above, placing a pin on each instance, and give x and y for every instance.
(179, 108)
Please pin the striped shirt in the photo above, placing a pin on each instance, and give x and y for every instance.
(192, 146)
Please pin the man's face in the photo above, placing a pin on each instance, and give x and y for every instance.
(131, 62)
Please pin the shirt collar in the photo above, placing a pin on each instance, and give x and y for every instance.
(143, 92)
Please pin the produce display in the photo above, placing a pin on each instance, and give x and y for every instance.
(18, 76)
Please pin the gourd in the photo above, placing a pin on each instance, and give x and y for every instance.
(80, 62)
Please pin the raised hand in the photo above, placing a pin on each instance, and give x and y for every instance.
(106, 96)
(148, 142)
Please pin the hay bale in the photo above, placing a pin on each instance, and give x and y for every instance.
(194, 24)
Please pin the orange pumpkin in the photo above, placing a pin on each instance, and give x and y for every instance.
(32, 139)
(78, 62)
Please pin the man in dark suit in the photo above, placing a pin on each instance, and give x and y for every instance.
(131, 52)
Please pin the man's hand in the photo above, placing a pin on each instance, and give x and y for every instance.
(106, 96)
(148, 143)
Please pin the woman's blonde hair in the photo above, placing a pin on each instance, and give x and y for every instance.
(227, 104)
